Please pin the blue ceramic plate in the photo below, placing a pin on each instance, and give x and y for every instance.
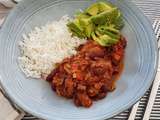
(36, 97)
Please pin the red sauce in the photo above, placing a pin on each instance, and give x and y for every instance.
(90, 74)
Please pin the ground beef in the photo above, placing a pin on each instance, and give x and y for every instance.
(88, 75)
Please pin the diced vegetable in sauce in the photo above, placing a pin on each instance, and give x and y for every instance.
(90, 74)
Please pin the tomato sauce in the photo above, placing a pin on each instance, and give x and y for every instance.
(90, 74)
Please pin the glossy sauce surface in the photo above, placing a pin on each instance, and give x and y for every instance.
(90, 74)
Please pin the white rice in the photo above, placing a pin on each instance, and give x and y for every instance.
(45, 46)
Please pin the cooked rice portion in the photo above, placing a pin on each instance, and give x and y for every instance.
(43, 47)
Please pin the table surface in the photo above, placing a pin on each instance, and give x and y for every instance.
(151, 8)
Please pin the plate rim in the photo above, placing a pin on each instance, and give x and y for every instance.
(25, 108)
